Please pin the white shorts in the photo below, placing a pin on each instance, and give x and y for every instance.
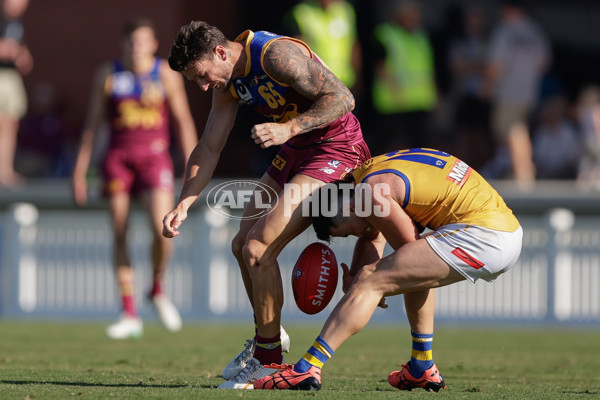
(477, 252)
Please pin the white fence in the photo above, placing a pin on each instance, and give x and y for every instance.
(57, 264)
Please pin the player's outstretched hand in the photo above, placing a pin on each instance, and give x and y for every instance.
(172, 222)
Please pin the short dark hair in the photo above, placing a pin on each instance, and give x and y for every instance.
(136, 23)
(194, 42)
(322, 223)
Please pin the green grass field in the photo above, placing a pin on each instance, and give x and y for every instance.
(75, 360)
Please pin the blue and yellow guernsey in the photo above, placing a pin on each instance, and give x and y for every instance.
(442, 190)
(278, 100)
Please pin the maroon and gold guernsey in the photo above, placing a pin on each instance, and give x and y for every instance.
(138, 156)
(137, 109)
(278, 100)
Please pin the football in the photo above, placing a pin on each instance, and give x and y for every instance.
(314, 278)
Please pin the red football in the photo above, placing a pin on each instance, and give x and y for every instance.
(314, 278)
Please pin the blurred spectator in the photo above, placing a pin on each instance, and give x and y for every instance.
(471, 108)
(329, 28)
(587, 114)
(47, 140)
(15, 61)
(519, 57)
(134, 94)
(556, 142)
(404, 89)
(442, 35)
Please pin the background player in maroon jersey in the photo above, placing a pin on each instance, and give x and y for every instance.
(320, 141)
(138, 94)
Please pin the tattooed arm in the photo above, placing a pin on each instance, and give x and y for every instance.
(288, 62)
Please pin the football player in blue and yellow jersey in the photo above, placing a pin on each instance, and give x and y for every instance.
(474, 235)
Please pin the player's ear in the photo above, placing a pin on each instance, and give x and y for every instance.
(221, 52)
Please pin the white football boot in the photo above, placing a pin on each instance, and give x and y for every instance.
(240, 361)
(251, 372)
(126, 328)
(167, 313)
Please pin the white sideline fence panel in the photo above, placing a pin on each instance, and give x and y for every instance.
(59, 264)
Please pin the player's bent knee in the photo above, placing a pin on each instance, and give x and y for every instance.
(364, 278)
(373, 280)
(364, 274)
(253, 252)
(237, 246)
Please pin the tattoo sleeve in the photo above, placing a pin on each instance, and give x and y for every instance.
(285, 62)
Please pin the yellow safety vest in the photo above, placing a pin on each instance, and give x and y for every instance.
(331, 34)
(408, 82)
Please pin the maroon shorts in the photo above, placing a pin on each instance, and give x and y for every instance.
(136, 170)
(328, 161)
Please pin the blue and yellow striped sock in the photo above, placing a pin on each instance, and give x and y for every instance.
(422, 358)
(317, 355)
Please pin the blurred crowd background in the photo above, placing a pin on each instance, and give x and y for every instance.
(454, 50)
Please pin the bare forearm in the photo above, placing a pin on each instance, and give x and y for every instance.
(200, 168)
(325, 110)
(366, 252)
(84, 154)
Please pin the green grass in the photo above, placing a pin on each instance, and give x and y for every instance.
(75, 360)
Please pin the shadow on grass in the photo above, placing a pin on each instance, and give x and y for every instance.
(116, 385)
(588, 391)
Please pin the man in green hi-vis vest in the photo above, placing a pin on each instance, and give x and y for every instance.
(329, 28)
(404, 90)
